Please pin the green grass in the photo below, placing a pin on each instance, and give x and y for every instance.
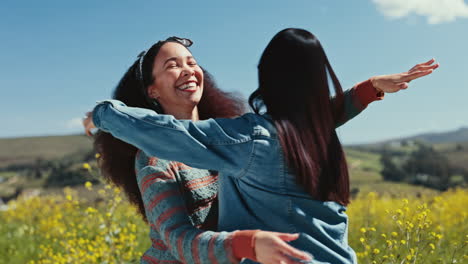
(365, 167)
(457, 157)
(28, 150)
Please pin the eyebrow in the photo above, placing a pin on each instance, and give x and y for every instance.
(175, 58)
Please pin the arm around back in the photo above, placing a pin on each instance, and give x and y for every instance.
(219, 144)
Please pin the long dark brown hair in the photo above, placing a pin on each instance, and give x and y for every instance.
(293, 88)
(117, 161)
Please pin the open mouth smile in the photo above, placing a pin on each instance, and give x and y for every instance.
(190, 86)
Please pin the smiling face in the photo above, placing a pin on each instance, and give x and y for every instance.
(178, 84)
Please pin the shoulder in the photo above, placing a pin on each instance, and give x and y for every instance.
(262, 125)
(248, 126)
(143, 162)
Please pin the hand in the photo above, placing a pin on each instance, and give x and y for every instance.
(271, 248)
(393, 83)
(88, 123)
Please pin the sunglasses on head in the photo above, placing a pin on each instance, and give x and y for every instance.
(141, 57)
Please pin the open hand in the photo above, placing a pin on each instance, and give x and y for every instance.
(395, 82)
(88, 123)
(271, 248)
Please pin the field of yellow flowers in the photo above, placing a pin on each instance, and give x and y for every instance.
(66, 228)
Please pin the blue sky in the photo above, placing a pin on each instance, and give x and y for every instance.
(57, 58)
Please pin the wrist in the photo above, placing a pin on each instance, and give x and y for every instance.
(366, 93)
(375, 83)
(243, 244)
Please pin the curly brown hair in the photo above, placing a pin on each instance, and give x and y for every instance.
(117, 161)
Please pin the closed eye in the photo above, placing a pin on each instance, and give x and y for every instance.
(171, 66)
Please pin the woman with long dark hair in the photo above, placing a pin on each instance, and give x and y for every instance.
(282, 168)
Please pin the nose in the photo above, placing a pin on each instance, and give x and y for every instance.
(188, 71)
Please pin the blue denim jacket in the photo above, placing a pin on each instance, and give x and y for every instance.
(256, 189)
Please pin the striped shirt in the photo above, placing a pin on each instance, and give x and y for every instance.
(181, 204)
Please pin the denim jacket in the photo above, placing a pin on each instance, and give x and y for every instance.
(256, 189)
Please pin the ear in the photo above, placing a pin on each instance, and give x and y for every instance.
(152, 91)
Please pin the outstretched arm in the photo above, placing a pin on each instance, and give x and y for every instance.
(356, 99)
(217, 144)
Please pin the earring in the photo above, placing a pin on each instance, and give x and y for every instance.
(155, 102)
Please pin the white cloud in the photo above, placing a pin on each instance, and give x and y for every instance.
(75, 123)
(436, 11)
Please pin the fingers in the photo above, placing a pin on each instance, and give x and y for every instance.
(429, 62)
(88, 123)
(285, 260)
(88, 126)
(291, 251)
(288, 237)
(424, 68)
(88, 130)
(403, 85)
(415, 75)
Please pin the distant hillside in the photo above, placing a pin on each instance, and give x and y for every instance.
(29, 149)
(460, 135)
(54, 161)
(440, 138)
(456, 136)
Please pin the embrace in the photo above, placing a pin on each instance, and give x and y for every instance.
(219, 185)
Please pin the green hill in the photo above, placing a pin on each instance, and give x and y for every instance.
(449, 137)
(365, 176)
(65, 154)
(27, 150)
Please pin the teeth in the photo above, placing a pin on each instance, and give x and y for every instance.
(187, 86)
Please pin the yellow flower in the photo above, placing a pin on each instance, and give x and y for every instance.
(363, 230)
(86, 166)
(394, 234)
(376, 251)
(89, 185)
(403, 241)
(91, 210)
(97, 156)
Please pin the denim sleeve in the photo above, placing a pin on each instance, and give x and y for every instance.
(217, 144)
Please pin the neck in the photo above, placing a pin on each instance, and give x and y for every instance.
(191, 114)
